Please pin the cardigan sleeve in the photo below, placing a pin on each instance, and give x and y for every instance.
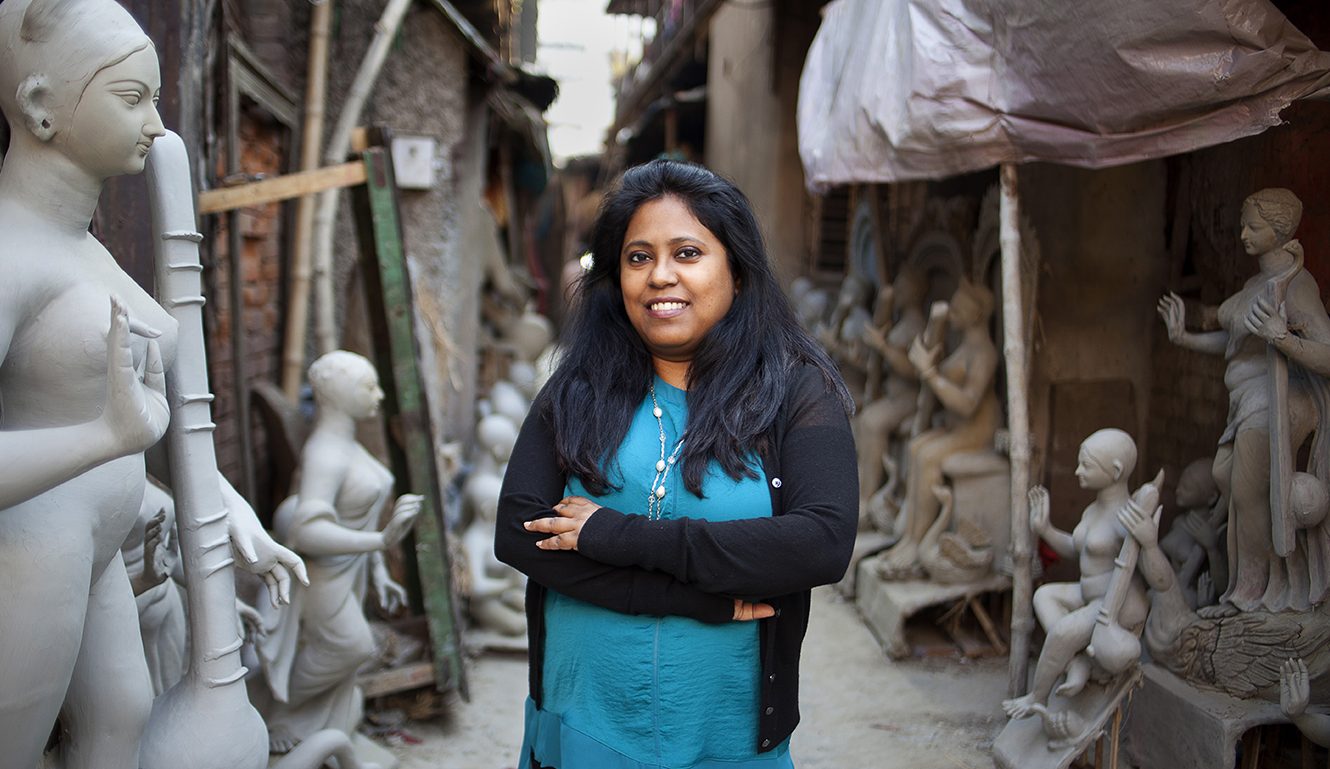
(531, 486)
(807, 543)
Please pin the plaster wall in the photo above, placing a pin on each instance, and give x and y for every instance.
(750, 135)
(422, 91)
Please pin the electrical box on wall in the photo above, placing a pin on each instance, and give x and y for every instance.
(413, 161)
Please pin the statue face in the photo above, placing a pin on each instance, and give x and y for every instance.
(1092, 472)
(963, 311)
(1258, 237)
(115, 122)
(357, 392)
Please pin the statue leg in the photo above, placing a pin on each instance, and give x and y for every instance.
(1066, 639)
(42, 610)
(921, 506)
(110, 696)
(1255, 573)
(875, 424)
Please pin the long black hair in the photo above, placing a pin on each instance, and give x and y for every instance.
(740, 371)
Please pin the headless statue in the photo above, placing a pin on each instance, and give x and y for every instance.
(962, 384)
(314, 646)
(85, 354)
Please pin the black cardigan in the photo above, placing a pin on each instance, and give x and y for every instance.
(695, 568)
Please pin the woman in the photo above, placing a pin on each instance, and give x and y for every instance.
(312, 651)
(688, 468)
(1298, 329)
(83, 356)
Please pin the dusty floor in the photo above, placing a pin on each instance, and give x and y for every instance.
(860, 710)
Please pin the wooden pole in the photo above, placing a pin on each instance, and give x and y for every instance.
(339, 144)
(297, 320)
(1018, 422)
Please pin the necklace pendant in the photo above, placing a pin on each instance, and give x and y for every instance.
(657, 413)
(660, 466)
(660, 492)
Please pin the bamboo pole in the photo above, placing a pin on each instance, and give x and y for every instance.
(1018, 421)
(339, 144)
(297, 321)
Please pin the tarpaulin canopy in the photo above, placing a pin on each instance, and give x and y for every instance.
(914, 89)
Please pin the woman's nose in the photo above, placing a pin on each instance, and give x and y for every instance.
(662, 274)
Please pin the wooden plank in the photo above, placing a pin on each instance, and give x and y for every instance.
(395, 680)
(282, 188)
(411, 447)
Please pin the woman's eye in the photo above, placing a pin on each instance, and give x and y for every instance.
(689, 253)
(637, 257)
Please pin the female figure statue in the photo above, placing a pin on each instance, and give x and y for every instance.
(881, 418)
(315, 645)
(1068, 610)
(1275, 320)
(84, 356)
(963, 384)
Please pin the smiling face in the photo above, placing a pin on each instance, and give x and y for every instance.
(115, 122)
(1258, 236)
(675, 278)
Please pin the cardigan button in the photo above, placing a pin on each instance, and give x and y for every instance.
(770, 710)
(766, 743)
(771, 677)
(775, 483)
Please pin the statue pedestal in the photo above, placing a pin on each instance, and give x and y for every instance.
(1024, 743)
(887, 604)
(1172, 723)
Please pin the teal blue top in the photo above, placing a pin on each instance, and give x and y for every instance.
(634, 692)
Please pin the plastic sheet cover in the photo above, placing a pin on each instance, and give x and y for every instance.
(894, 90)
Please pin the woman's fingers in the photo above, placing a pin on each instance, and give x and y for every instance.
(745, 611)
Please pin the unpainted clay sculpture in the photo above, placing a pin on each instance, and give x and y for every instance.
(1275, 337)
(313, 646)
(1295, 694)
(497, 591)
(1193, 543)
(842, 335)
(151, 560)
(1093, 626)
(962, 383)
(954, 557)
(86, 362)
(901, 305)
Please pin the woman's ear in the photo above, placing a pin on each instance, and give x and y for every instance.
(34, 102)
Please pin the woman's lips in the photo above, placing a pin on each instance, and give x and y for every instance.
(666, 308)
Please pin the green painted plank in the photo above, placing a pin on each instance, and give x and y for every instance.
(389, 292)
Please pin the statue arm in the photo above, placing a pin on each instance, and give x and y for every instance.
(1156, 569)
(1308, 344)
(1174, 314)
(315, 530)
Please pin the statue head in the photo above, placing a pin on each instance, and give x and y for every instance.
(971, 305)
(497, 434)
(1269, 219)
(346, 382)
(854, 292)
(1108, 456)
(82, 78)
(910, 288)
(1196, 486)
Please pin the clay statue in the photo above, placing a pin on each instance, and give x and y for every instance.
(901, 305)
(1239, 654)
(496, 597)
(842, 335)
(1093, 625)
(86, 357)
(962, 383)
(313, 647)
(151, 560)
(1275, 337)
(954, 557)
(1194, 540)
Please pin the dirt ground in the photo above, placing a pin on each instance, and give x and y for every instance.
(860, 710)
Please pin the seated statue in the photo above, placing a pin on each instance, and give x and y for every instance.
(314, 646)
(842, 335)
(1193, 545)
(1071, 612)
(962, 383)
(902, 304)
(496, 597)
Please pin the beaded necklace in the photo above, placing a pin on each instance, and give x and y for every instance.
(655, 497)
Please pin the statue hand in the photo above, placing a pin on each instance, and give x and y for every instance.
(874, 338)
(251, 622)
(1294, 687)
(1205, 590)
(260, 554)
(392, 596)
(1198, 527)
(1143, 528)
(404, 518)
(1174, 313)
(158, 560)
(136, 412)
(923, 358)
(1040, 519)
(1265, 321)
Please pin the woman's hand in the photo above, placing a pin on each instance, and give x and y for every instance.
(404, 517)
(1174, 313)
(573, 513)
(747, 612)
